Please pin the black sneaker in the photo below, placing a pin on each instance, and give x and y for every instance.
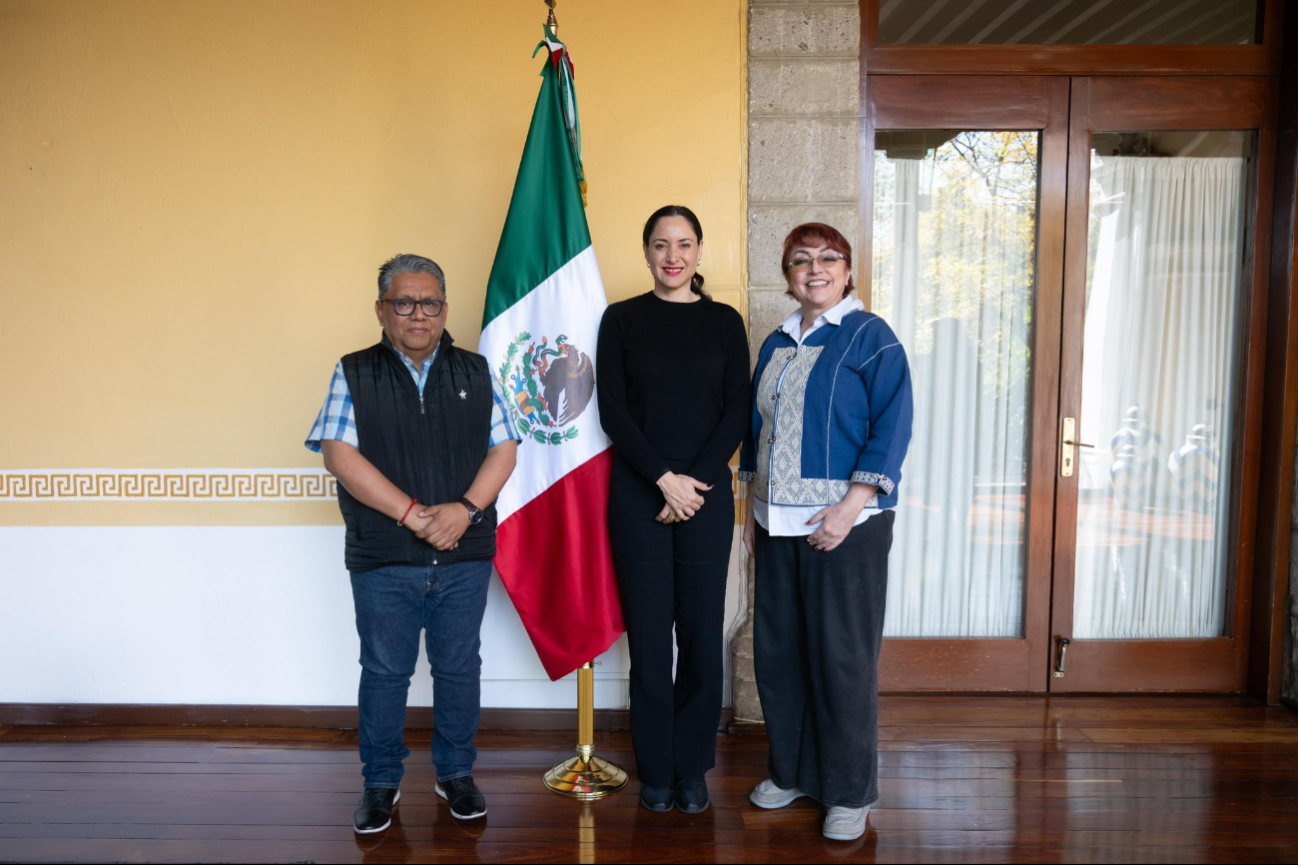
(657, 799)
(692, 796)
(374, 811)
(464, 797)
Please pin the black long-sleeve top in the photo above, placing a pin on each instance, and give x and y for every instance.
(673, 385)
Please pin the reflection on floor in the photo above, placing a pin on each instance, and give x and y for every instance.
(968, 779)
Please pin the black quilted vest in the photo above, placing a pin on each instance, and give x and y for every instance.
(430, 447)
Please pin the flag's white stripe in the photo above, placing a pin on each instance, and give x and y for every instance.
(571, 302)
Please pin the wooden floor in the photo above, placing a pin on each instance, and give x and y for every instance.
(963, 779)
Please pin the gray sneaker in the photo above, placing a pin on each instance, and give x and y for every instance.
(769, 795)
(845, 824)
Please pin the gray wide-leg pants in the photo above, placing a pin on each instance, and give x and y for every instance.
(817, 631)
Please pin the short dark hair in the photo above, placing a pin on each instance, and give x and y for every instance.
(818, 234)
(696, 281)
(408, 263)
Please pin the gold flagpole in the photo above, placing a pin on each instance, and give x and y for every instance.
(551, 23)
(586, 776)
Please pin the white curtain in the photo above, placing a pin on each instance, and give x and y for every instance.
(1159, 373)
(952, 273)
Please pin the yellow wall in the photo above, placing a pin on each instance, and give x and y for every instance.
(195, 196)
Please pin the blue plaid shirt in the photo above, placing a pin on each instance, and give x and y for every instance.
(337, 418)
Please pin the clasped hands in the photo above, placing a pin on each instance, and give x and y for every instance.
(440, 525)
(682, 495)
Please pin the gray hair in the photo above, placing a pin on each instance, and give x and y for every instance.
(407, 263)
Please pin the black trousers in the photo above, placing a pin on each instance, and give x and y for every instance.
(818, 625)
(672, 575)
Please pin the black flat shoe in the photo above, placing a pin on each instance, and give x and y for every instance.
(656, 799)
(374, 811)
(463, 796)
(692, 796)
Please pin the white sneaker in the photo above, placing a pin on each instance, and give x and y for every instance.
(845, 824)
(768, 795)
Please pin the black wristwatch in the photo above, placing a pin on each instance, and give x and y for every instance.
(475, 512)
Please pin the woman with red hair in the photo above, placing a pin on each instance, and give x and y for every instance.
(830, 426)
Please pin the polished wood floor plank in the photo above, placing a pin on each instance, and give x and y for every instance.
(129, 787)
(962, 779)
(1195, 734)
(653, 837)
(954, 734)
(867, 849)
(939, 768)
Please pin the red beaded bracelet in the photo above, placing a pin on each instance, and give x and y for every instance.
(402, 521)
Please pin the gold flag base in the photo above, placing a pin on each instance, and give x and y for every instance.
(586, 776)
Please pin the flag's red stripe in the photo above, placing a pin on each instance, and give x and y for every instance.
(553, 557)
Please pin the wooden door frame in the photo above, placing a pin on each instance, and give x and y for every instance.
(1276, 55)
(1180, 103)
(1090, 60)
(1280, 403)
(1021, 103)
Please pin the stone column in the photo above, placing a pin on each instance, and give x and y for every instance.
(803, 108)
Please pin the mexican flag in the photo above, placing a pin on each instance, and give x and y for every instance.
(544, 303)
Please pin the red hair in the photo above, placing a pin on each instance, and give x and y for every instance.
(814, 235)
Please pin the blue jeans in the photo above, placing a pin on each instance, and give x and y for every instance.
(392, 604)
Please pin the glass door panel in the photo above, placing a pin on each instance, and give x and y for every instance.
(1157, 390)
(1160, 376)
(954, 251)
(965, 182)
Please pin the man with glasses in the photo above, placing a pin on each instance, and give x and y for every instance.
(417, 432)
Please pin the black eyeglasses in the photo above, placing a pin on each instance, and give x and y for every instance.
(405, 306)
(803, 262)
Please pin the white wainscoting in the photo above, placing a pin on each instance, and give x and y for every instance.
(229, 615)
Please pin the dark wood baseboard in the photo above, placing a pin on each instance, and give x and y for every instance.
(340, 717)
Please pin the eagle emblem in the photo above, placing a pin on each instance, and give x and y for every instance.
(550, 385)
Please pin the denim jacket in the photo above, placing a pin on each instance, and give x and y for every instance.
(841, 410)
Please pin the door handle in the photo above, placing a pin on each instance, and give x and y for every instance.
(1068, 459)
(1064, 642)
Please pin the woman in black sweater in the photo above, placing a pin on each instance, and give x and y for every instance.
(674, 396)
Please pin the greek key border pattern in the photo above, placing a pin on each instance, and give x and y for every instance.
(136, 485)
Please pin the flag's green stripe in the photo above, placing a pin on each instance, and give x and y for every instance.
(546, 226)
